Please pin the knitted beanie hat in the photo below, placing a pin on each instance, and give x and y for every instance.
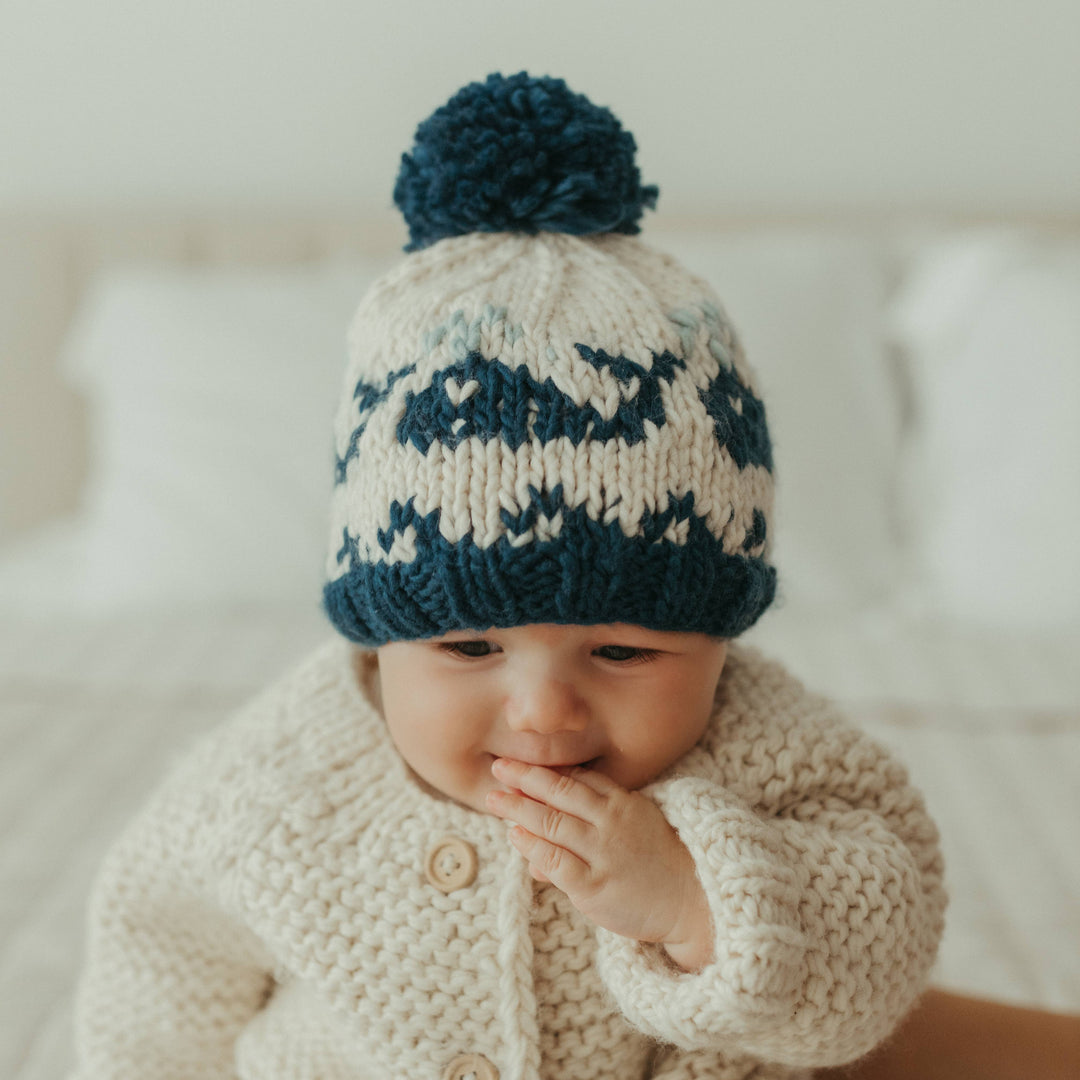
(544, 420)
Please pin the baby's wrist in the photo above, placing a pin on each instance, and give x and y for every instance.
(691, 956)
(690, 944)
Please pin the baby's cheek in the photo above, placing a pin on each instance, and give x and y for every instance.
(660, 746)
(634, 766)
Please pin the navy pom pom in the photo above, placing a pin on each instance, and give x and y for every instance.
(520, 154)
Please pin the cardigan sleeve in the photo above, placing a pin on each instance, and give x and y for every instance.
(169, 979)
(823, 877)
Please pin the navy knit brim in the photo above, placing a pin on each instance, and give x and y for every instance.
(589, 574)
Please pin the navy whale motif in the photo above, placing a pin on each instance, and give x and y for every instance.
(509, 403)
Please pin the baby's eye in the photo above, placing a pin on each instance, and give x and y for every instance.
(625, 654)
(474, 650)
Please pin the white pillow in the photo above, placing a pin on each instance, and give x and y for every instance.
(212, 396)
(989, 322)
(809, 306)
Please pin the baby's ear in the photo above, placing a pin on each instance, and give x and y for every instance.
(722, 653)
(364, 657)
(365, 663)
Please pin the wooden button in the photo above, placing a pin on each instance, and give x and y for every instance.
(451, 864)
(471, 1067)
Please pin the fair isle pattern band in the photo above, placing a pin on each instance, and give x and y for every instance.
(566, 468)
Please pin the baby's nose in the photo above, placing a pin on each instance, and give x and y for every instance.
(545, 704)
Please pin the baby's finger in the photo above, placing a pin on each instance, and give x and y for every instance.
(559, 866)
(544, 820)
(561, 790)
(593, 778)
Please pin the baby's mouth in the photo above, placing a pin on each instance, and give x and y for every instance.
(571, 765)
(563, 766)
(591, 763)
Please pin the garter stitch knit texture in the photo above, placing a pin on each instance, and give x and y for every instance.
(268, 916)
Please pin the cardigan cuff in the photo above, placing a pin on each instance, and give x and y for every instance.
(758, 969)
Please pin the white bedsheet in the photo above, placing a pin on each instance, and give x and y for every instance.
(92, 713)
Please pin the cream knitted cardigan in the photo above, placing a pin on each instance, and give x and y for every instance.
(268, 913)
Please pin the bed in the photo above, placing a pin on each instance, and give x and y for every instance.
(166, 412)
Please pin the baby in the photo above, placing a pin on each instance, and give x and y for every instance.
(533, 812)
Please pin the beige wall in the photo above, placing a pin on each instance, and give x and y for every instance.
(737, 106)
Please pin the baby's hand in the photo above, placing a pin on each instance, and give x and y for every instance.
(611, 851)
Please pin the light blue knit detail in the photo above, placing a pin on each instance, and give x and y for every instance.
(721, 338)
(465, 333)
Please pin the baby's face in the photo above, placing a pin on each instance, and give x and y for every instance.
(624, 700)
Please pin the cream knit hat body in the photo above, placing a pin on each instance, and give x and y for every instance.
(544, 420)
